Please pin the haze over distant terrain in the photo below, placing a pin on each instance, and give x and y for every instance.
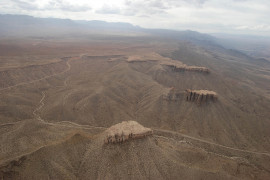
(28, 26)
(95, 96)
(208, 16)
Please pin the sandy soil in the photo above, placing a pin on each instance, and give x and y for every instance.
(57, 98)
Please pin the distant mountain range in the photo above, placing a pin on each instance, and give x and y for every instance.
(22, 25)
(25, 26)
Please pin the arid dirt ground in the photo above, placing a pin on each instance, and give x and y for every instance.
(58, 96)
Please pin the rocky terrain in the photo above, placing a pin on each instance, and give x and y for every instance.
(124, 131)
(179, 67)
(163, 155)
(64, 100)
(176, 66)
(200, 96)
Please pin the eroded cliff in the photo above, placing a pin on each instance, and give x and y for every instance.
(200, 96)
(125, 131)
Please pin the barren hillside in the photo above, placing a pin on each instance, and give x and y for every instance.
(57, 103)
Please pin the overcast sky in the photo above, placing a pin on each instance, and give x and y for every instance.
(224, 16)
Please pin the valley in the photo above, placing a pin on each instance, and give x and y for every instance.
(58, 99)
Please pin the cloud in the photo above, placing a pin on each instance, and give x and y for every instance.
(33, 5)
(154, 4)
(25, 5)
(106, 9)
(247, 16)
(135, 8)
(260, 27)
(66, 6)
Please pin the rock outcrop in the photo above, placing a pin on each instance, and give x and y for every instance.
(200, 96)
(174, 65)
(125, 131)
(183, 67)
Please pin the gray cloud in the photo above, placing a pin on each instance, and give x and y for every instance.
(239, 16)
(108, 10)
(65, 6)
(24, 5)
(191, 2)
(158, 4)
(139, 8)
(168, 4)
(52, 5)
(152, 7)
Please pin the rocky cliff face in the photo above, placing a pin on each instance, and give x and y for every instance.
(200, 96)
(125, 131)
(182, 68)
(174, 65)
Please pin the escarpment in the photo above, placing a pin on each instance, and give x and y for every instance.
(180, 67)
(189, 68)
(200, 96)
(125, 131)
(174, 65)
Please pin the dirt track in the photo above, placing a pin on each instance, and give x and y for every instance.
(211, 143)
(41, 104)
(37, 80)
(96, 93)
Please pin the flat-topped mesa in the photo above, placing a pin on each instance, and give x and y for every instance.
(174, 65)
(178, 66)
(200, 96)
(181, 68)
(145, 57)
(198, 69)
(125, 131)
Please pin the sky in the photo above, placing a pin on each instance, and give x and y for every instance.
(208, 16)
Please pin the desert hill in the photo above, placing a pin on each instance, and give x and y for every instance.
(59, 96)
(82, 156)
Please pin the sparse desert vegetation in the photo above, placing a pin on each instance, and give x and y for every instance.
(113, 106)
(62, 105)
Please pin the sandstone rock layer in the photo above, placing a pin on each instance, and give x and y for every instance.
(200, 96)
(124, 131)
(174, 65)
(181, 68)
